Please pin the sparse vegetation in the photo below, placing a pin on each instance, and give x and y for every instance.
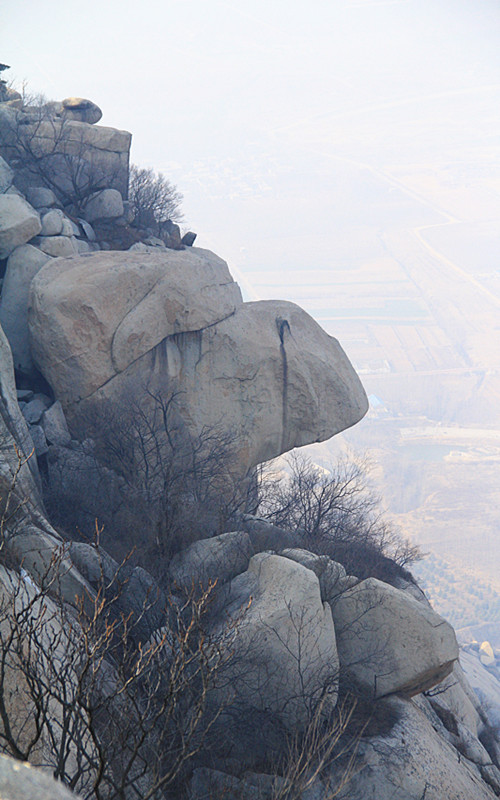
(335, 513)
(153, 198)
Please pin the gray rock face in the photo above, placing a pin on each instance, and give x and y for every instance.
(58, 246)
(22, 266)
(388, 642)
(41, 197)
(19, 222)
(54, 425)
(52, 222)
(20, 781)
(6, 176)
(39, 440)
(284, 651)
(123, 304)
(15, 440)
(331, 575)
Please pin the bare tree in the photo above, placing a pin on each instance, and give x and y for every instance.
(49, 150)
(171, 486)
(336, 514)
(154, 199)
(79, 696)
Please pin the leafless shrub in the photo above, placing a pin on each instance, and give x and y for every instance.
(49, 150)
(154, 199)
(336, 514)
(79, 696)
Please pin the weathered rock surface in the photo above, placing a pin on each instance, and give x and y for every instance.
(22, 266)
(105, 204)
(58, 246)
(52, 222)
(54, 425)
(16, 443)
(41, 197)
(86, 152)
(331, 576)
(412, 761)
(105, 326)
(93, 316)
(284, 651)
(388, 642)
(19, 222)
(6, 176)
(20, 781)
(80, 109)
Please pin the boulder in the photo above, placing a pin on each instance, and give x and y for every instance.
(38, 436)
(108, 325)
(41, 197)
(267, 373)
(95, 315)
(54, 425)
(34, 409)
(22, 266)
(285, 657)
(188, 239)
(69, 228)
(20, 781)
(80, 109)
(94, 563)
(218, 559)
(389, 642)
(6, 176)
(19, 222)
(105, 204)
(58, 246)
(52, 222)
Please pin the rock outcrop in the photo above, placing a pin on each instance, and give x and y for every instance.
(20, 781)
(105, 327)
(389, 642)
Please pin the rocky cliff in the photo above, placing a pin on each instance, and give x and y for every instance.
(91, 331)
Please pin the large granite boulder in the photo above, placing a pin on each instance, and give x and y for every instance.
(94, 315)
(390, 643)
(284, 653)
(107, 326)
(19, 222)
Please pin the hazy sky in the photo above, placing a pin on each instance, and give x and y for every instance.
(271, 116)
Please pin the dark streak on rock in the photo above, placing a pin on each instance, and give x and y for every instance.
(283, 325)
